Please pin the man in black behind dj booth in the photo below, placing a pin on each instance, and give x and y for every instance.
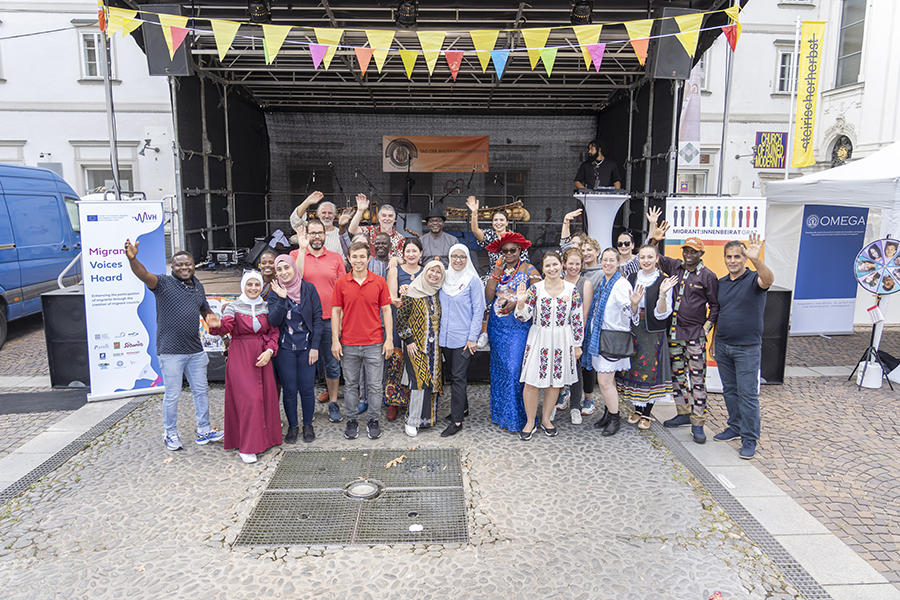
(598, 171)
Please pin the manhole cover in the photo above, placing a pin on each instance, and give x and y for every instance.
(335, 497)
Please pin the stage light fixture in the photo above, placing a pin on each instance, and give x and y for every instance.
(582, 12)
(259, 11)
(407, 12)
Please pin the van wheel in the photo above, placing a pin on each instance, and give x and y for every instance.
(4, 328)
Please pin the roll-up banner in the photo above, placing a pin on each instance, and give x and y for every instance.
(120, 310)
(435, 154)
(825, 288)
(807, 92)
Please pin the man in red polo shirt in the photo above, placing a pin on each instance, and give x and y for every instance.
(357, 339)
(322, 268)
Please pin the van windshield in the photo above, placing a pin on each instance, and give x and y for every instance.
(72, 210)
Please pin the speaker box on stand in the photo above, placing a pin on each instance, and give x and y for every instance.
(65, 330)
(668, 58)
(158, 60)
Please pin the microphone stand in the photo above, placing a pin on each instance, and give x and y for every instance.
(369, 186)
(469, 185)
(334, 173)
(456, 189)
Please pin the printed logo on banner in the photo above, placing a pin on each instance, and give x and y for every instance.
(812, 221)
(92, 218)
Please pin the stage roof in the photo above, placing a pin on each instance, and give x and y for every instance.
(291, 83)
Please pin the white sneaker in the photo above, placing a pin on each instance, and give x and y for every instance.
(553, 415)
(575, 415)
(248, 458)
(411, 431)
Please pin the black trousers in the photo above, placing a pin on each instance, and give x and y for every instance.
(456, 361)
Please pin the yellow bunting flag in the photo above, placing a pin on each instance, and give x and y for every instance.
(484, 42)
(535, 40)
(807, 92)
(380, 42)
(273, 38)
(587, 35)
(409, 61)
(548, 57)
(224, 32)
(431, 42)
(330, 38)
(733, 12)
(174, 30)
(639, 34)
(690, 31)
(118, 17)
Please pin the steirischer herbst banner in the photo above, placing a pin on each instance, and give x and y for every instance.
(807, 92)
(120, 310)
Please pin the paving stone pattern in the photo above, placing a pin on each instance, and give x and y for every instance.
(25, 351)
(819, 351)
(576, 516)
(17, 429)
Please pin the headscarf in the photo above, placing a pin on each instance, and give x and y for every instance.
(293, 286)
(595, 318)
(510, 237)
(420, 288)
(255, 303)
(456, 281)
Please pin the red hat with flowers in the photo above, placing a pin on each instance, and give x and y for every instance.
(510, 237)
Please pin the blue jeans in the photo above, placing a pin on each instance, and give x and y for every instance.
(192, 366)
(739, 371)
(357, 358)
(297, 376)
(328, 362)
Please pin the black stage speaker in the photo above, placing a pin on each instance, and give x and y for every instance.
(65, 330)
(668, 58)
(776, 319)
(158, 61)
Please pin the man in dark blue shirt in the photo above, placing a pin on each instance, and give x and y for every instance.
(737, 346)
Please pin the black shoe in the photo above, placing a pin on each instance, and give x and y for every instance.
(550, 431)
(309, 434)
(613, 427)
(452, 429)
(678, 421)
(291, 437)
(373, 429)
(604, 420)
(526, 436)
(352, 430)
(698, 434)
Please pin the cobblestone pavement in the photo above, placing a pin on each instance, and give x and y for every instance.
(576, 516)
(25, 352)
(820, 351)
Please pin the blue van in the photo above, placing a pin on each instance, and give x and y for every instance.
(39, 237)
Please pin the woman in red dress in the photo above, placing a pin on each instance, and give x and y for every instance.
(251, 400)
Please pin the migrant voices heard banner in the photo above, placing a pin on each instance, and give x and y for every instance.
(807, 92)
(120, 310)
(435, 154)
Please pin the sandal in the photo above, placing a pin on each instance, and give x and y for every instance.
(633, 418)
(644, 423)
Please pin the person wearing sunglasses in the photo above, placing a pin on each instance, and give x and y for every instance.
(626, 245)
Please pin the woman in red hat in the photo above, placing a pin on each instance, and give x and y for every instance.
(507, 334)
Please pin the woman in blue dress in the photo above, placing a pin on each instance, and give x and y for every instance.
(506, 333)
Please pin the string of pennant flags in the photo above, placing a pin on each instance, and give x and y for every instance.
(175, 29)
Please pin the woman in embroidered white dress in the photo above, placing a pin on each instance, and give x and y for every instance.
(553, 346)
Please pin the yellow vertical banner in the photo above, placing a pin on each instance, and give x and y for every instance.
(807, 92)
(330, 38)
(484, 42)
(431, 42)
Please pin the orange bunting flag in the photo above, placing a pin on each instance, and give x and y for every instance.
(689, 25)
(101, 15)
(409, 61)
(330, 38)
(548, 57)
(484, 42)
(731, 34)
(224, 32)
(431, 42)
(174, 30)
(535, 40)
(273, 38)
(380, 43)
(639, 35)
(454, 60)
(363, 56)
(587, 35)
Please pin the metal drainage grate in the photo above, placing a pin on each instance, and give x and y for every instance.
(345, 497)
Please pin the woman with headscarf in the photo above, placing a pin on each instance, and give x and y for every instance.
(462, 311)
(295, 308)
(507, 334)
(418, 323)
(252, 419)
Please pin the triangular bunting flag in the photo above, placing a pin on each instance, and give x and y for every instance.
(587, 35)
(174, 31)
(331, 38)
(535, 40)
(596, 51)
(409, 61)
(363, 56)
(454, 60)
(318, 53)
(639, 35)
(484, 42)
(129, 25)
(431, 42)
(224, 32)
(690, 31)
(733, 12)
(116, 20)
(732, 33)
(548, 56)
(273, 38)
(499, 57)
(101, 15)
(380, 42)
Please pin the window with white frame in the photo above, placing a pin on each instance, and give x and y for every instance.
(785, 68)
(95, 177)
(90, 41)
(853, 21)
(704, 72)
(1, 60)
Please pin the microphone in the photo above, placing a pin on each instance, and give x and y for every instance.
(330, 164)
(471, 176)
(314, 176)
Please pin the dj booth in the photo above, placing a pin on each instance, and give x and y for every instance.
(600, 209)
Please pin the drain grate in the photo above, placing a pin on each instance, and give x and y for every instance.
(346, 497)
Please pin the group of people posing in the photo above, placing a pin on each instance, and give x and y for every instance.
(393, 318)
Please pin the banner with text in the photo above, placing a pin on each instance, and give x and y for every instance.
(770, 150)
(435, 154)
(120, 310)
(807, 92)
(825, 288)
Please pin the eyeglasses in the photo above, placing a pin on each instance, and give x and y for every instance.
(623, 244)
(463, 258)
(508, 250)
(316, 234)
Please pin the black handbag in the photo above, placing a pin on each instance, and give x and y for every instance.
(616, 344)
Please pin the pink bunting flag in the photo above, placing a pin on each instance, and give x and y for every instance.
(363, 56)
(454, 60)
(178, 35)
(318, 53)
(596, 51)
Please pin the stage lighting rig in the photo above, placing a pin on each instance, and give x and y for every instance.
(407, 12)
(582, 12)
(259, 11)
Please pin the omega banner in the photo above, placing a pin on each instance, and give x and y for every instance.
(435, 154)
(120, 310)
(825, 288)
(807, 92)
